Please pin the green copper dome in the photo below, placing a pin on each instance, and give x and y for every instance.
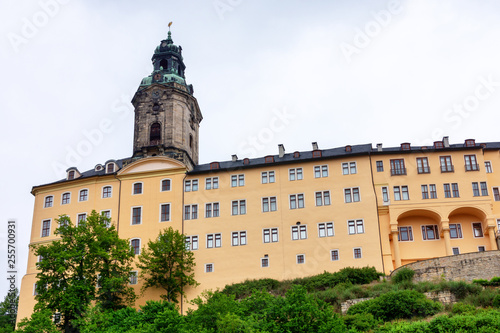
(168, 65)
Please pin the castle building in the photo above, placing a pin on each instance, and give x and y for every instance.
(280, 216)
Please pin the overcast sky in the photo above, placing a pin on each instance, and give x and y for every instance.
(264, 73)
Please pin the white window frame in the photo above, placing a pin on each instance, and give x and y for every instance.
(295, 174)
(50, 227)
(45, 201)
(212, 268)
(347, 168)
(357, 223)
(191, 212)
(296, 200)
(214, 240)
(349, 193)
(424, 232)
(133, 188)
(189, 241)
(237, 180)
(140, 242)
(268, 175)
(386, 197)
(102, 192)
(360, 252)
(240, 235)
(211, 182)
(239, 207)
(80, 194)
(62, 198)
(211, 205)
(473, 229)
(136, 274)
(481, 248)
(331, 255)
(161, 184)
(327, 226)
(169, 212)
(300, 229)
(297, 259)
(453, 250)
(322, 198)
(322, 169)
(272, 231)
(262, 262)
(409, 231)
(78, 217)
(269, 204)
(132, 215)
(488, 166)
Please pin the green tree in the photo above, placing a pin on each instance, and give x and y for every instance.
(39, 322)
(8, 311)
(88, 262)
(166, 263)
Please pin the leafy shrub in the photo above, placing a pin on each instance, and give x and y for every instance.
(496, 301)
(461, 308)
(460, 289)
(361, 322)
(484, 299)
(241, 290)
(482, 282)
(398, 305)
(402, 275)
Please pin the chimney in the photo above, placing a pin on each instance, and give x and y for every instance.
(446, 142)
(379, 147)
(315, 145)
(281, 149)
(234, 157)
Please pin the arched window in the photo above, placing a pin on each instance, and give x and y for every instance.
(155, 134)
(164, 64)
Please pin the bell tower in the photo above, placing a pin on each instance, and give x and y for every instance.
(167, 115)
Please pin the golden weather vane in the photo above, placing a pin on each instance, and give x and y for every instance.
(169, 26)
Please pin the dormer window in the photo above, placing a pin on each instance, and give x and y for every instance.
(470, 143)
(405, 146)
(246, 161)
(296, 154)
(348, 148)
(110, 168)
(438, 144)
(98, 167)
(71, 175)
(316, 153)
(269, 159)
(214, 165)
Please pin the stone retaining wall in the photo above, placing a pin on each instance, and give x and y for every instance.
(466, 267)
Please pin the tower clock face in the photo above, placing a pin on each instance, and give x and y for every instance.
(157, 77)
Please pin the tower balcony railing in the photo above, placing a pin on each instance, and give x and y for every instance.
(447, 168)
(472, 167)
(398, 171)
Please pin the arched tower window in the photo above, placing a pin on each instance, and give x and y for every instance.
(155, 134)
(164, 64)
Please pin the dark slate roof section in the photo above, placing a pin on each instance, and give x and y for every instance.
(286, 159)
(452, 147)
(89, 173)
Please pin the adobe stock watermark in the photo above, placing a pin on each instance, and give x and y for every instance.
(92, 137)
(223, 6)
(455, 115)
(278, 122)
(364, 37)
(31, 26)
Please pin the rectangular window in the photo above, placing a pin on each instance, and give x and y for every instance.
(496, 194)
(264, 262)
(430, 232)
(380, 166)
(165, 185)
(471, 163)
(190, 212)
(106, 213)
(49, 201)
(320, 171)
(351, 194)
(447, 190)
(299, 232)
(301, 258)
(433, 191)
(269, 204)
(357, 253)
(405, 234)
(212, 183)
(404, 193)
(238, 207)
(475, 189)
(322, 198)
(454, 188)
(477, 229)
(45, 228)
(81, 218)
(295, 174)
(484, 189)
(423, 165)
(212, 209)
(164, 212)
(325, 229)
(425, 192)
(296, 201)
(133, 277)
(401, 193)
(398, 167)
(239, 238)
(455, 230)
(397, 193)
(355, 227)
(192, 243)
(135, 244)
(209, 268)
(385, 194)
(237, 180)
(455, 250)
(136, 215)
(270, 235)
(487, 166)
(214, 240)
(481, 248)
(446, 165)
(334, 254)
(349, 168)
(267, 177)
